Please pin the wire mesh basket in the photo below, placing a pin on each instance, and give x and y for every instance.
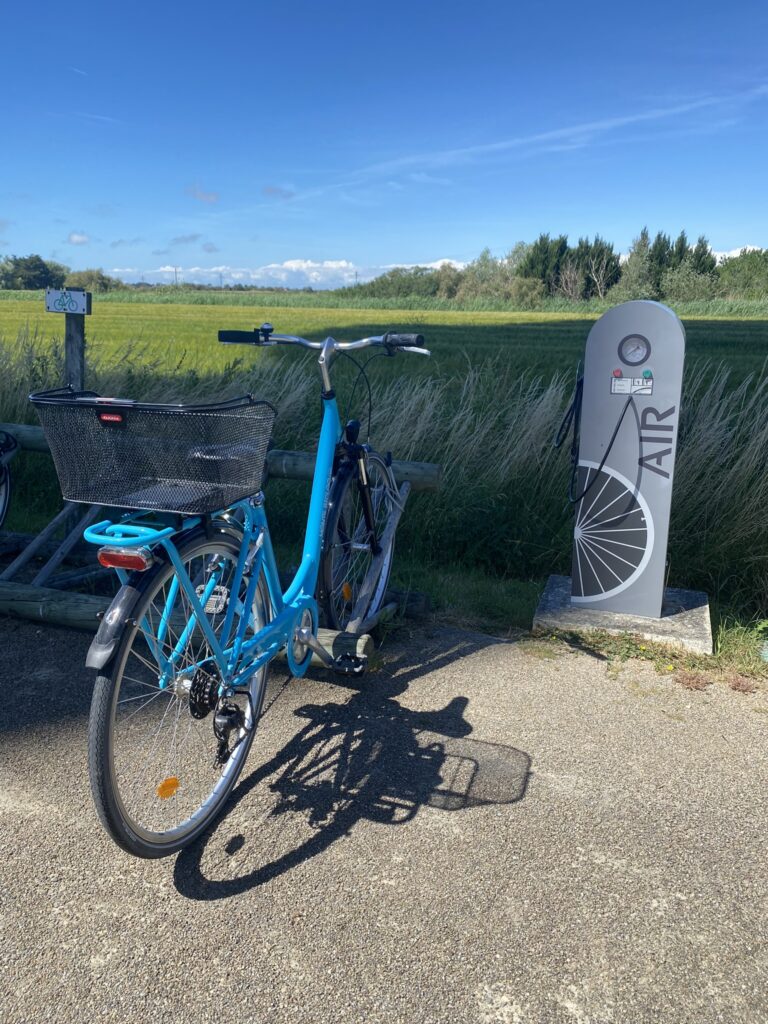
(192, 459)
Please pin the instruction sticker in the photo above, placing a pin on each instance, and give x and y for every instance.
(631, 385)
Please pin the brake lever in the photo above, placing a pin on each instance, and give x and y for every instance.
(394, 349)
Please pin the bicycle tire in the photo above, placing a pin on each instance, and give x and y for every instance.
(343, 567)
(115, 803)
(5, 492)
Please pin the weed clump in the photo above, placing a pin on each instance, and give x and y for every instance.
(692, 680)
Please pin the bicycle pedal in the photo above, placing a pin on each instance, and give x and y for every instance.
(350, 664)
(217, 599)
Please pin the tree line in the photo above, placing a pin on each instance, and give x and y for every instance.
(673, 270)
(23, 273)
(549, 268)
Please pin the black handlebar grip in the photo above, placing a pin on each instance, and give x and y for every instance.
(404, 340)
(240, 337)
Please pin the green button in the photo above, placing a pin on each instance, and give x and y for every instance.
(647, 373)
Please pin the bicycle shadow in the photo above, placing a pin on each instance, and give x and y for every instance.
(366, 759)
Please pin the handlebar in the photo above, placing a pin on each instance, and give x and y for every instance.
(240, 338)
(403, 340)
(264, 336)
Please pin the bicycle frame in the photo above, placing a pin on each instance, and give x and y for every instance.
(236, 657)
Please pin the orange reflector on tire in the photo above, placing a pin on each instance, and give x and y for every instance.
(167, 787)
(346, 592)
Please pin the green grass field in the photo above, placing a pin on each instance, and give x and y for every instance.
(543, 343)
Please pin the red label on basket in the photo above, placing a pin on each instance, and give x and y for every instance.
(112, 418)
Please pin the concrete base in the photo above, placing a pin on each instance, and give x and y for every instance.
(684, 621)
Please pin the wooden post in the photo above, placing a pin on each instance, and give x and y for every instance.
(60, 519)
(74, 350)
(75, 303)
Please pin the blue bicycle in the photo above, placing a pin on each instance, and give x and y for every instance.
(183, 652)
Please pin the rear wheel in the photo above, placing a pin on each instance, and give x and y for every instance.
(347, 555)
(159, 774)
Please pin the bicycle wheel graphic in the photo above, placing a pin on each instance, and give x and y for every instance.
(613, 536)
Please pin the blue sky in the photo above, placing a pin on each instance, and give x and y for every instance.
(309, 142)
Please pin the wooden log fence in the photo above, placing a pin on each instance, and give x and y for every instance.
(82, 611)
(422, 476)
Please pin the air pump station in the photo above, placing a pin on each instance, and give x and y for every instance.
(627, 406)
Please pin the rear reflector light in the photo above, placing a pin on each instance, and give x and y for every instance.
(111, 417)
(138, 559)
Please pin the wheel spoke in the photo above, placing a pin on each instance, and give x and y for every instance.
(602, 561)
(594, 547)
(589, 563)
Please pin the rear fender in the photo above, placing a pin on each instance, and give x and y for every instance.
(104, 644)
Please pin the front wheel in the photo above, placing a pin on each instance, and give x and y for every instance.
(159, 775)
(347, 556)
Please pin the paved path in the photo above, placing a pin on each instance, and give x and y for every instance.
(479, 834)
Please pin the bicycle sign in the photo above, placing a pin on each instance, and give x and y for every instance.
(67, 300)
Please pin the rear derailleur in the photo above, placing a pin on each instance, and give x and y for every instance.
(228, 716)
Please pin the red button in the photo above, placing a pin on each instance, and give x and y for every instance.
(617, 373)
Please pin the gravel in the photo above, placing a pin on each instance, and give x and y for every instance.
(482, 831)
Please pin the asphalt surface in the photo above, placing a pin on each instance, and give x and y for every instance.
(479, 832)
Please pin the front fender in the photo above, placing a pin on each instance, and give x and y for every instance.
(104, 644)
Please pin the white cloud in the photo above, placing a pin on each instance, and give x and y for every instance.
(97, 117)
(120, 242)
(278, 192)
(201, 195)
(434, 265)
(417, 167)
(573, 136)
(422, 178)
(77, 238)
(295, 273)
(720, 256)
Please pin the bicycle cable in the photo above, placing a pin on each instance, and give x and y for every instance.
(572, 419)
(362, 373)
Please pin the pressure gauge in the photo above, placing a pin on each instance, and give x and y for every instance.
(634, 349)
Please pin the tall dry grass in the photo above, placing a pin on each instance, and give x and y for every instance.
(502, 506)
